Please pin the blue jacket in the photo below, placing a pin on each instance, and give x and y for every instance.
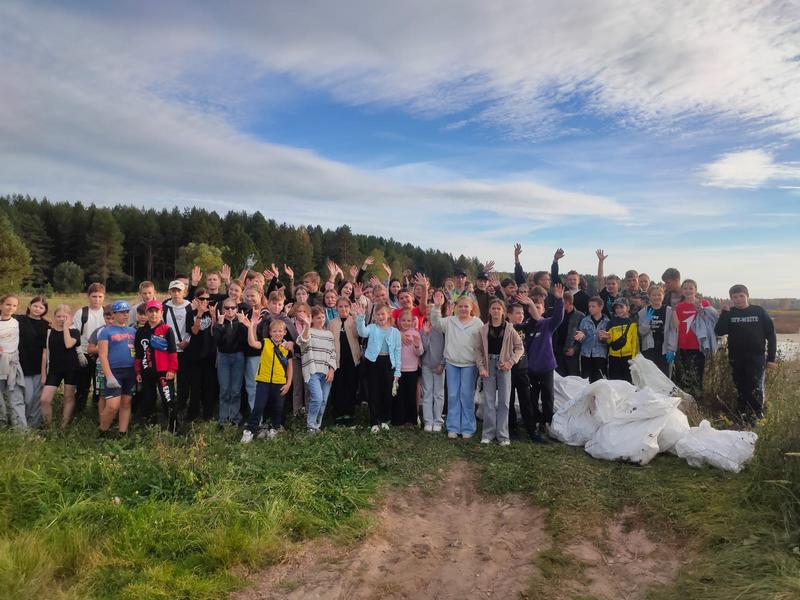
(591, 346)
(375, 336)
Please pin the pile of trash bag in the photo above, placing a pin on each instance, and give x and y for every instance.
(616, 420)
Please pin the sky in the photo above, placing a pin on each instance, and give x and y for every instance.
(667, 134)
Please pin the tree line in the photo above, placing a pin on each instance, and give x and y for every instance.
(61, 246)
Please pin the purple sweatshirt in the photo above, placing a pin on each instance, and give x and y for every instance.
(541, 357)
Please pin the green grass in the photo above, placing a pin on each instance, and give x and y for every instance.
(164, 517)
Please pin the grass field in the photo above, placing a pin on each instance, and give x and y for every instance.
(155, 516)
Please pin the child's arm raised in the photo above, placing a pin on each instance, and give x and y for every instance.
(601, 280)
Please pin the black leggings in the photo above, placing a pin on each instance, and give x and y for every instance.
(404, 407)
(542, 385)
(380, 376)
(343, 390)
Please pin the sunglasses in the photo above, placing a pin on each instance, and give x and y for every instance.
(205, 299)
(229, 307)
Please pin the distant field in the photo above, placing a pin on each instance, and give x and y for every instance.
(786, 321)
(78, 300)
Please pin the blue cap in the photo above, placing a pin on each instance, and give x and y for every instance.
(120, 306)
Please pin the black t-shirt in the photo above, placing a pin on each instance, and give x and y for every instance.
(657, 325)
(63, 360)
(608, 302)
(32, 340)
(495, 338)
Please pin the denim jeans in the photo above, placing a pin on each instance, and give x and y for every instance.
(250, 370)
(461, 399)
(33, 400)
(16, 400)
(432, 396)
(496, 396)
(230, 371)
(318, 390)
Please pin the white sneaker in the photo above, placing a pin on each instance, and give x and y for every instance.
(247, 436)
(466, 436)
(452, 435)
(429, 428)
(262, 433)
(385, 426)
(271, 433)
(505, 443)
(374, 429)
(486, 441)
(437, 429)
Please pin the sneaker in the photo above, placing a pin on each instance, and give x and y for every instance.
(271, 433)
(452, 435)
(466, 436)
(505, 443)
(385, 426)
(374, 429)
(437, 429)
(313, 430)
(262, 433)
(486, 441)
(429, 428)
(538, 439)
(247, 436)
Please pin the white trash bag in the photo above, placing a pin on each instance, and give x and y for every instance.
(632, 441)
(577, 419)
(675, 428)
(725, 449)
(567, 388)
(645, 374)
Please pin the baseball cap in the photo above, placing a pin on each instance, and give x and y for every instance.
(120, 306)
(460, 272)
(153, 304)
(621, 302)
(483, 276)
(177, 285)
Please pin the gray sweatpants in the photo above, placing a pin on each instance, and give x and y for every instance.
(16, 398)
(496, 397)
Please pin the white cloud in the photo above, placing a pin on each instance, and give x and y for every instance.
(748, 169)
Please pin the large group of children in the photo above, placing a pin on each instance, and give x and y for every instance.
(238, 348)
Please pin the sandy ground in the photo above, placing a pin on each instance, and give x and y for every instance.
(457, 543)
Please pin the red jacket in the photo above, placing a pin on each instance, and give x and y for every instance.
(156, 351)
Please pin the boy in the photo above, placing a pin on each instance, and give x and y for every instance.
(541, 359)
(521, 383)
(311, 283)
(273, 378)
(636, 296)
(749, 329)
(594, 354)
(86, 320)
(622, 338)
(611, 290)
(99, 377)
(156, 365)
(672, 287)
(116, 356)
(580, 298)
(653, 331)
(176, 312)
(482, 296)
(508, 289)
(147, 291)
(568, 355)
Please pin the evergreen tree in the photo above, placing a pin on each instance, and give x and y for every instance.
(15, 260)
(104, 246)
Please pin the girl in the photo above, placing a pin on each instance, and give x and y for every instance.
(652, 329)
(12, 378)
(690, 360)
(254, 296)
(203, 390)
(404, 409)
(432, 388)
(299, 313)
(329, 299)
(460, 344)
(394, 288)
(382, 365)
(235, 293)
(61, 365)
(319, 364)
(274, 376)
(230, 338)
(33, 328)
(346, 289)
(348, 356)
(499, 349)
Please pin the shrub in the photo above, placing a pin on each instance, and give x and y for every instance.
(68, 277)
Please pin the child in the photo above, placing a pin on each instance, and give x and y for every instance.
(12, 378)
(230, 338)
(382, 364)
(541, 359)
(690, 360)
(141, 315)
(611, 290)
(653, 331)
(203, 386)
(461, 338)
(33, 328)
(749, 329)
(644, 282)
(520, 381)
(580, 298)
(404, 409)
(672, 284)
(329, 299)
(176, 314)
(62, 365)
(311, 284)
(274, 376)
(348, 356)
(147, 291)
(298, 315)
(568, 352)
(116, 352)
(319, 364)
(594, 354)
(433, 364)
(636, 296)
(99, 378)
(156, 365)
(499, 348)
(87, 319)
(622, 337)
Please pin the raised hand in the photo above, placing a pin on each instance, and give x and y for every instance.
(601, 256)
(268, 275)
(494, 281)
(196, 275)
(438, 300)
(331, 266)
(388, 270)
(289, 272)
(488, 267)
(523, 299)
(255, 321)
(559, 254)
(358, 290)
(226, 273)
(558, 290)
(373, 281)
(305, 319)
(517, 251)
(357, 308)
(353, 272)
(426, 326)
(274, 270)
(368, 262)
(725, 304)
(243, 319)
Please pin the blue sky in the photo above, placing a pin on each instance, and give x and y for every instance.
(666, 134)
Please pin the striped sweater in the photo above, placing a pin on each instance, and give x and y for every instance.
(318, 354)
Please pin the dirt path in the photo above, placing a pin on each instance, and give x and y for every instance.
(457, 543)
